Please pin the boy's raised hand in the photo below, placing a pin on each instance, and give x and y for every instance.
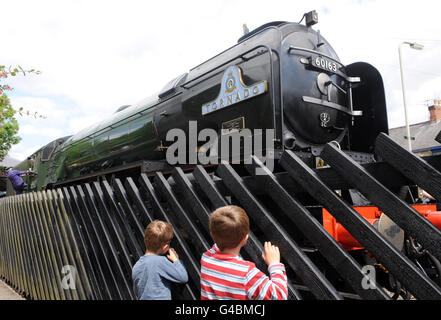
(172, 255)
(271, 253)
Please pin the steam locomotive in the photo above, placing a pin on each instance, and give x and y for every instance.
(281, 76)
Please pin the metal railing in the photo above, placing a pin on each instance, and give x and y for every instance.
(81, 242)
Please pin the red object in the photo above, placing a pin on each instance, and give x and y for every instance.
(229, 276)
(371, 214)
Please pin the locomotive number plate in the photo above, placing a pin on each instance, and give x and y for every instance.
(325, 64)
(234, 125)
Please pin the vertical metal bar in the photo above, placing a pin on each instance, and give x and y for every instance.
(11, 248)
(132, 244)
(97, 240)
(58, 239)
(135, 196)
(49, 237)
(96, 195)
(17, 278)
(20, 272)
(32, 248)
(29, 256)
(76, 230)
(43, 251)
(83, 288)
(9, 245)
(131, 216)
(2, 241)
(49, 255)
(45, 283)
(21, 266)
(3, 251)
(28, 251)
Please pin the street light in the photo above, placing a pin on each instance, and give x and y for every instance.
(415, 46)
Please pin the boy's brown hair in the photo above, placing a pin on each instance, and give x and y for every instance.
(157, 234)
(228, 226)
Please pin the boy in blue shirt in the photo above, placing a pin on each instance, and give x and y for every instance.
(153, 273)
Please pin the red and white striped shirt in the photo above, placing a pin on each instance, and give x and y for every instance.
(229, 277)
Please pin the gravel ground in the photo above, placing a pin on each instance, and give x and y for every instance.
(6, 293)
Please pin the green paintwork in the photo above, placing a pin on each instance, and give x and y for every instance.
(126, 136)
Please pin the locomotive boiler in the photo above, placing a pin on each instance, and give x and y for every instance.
(281, 76)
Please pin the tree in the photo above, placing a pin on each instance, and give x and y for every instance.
(8, 122)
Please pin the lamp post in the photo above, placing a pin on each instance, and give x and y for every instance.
(415, 46)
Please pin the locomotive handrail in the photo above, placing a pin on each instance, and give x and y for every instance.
(332, 105)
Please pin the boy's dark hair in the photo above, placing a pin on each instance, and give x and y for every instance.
(157, 234)
(228, 226)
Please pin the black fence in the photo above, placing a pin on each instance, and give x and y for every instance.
(80, 242)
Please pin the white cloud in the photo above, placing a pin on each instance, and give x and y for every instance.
(98, 55)
(21, 152)
(52, 133)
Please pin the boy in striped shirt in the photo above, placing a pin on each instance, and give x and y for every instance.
(225, 275)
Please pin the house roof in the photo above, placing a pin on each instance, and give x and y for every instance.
(424, 134)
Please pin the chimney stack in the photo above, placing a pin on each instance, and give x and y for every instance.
(435, 111)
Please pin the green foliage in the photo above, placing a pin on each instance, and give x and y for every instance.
(8, 122)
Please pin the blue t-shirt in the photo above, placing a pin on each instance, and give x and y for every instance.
(152, 276)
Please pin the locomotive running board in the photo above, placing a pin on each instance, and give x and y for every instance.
(97, 228)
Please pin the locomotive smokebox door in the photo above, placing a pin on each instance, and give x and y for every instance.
(315, 101)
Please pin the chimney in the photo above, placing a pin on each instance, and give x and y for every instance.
(435, 111)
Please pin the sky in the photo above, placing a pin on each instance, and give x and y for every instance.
(98, 55)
